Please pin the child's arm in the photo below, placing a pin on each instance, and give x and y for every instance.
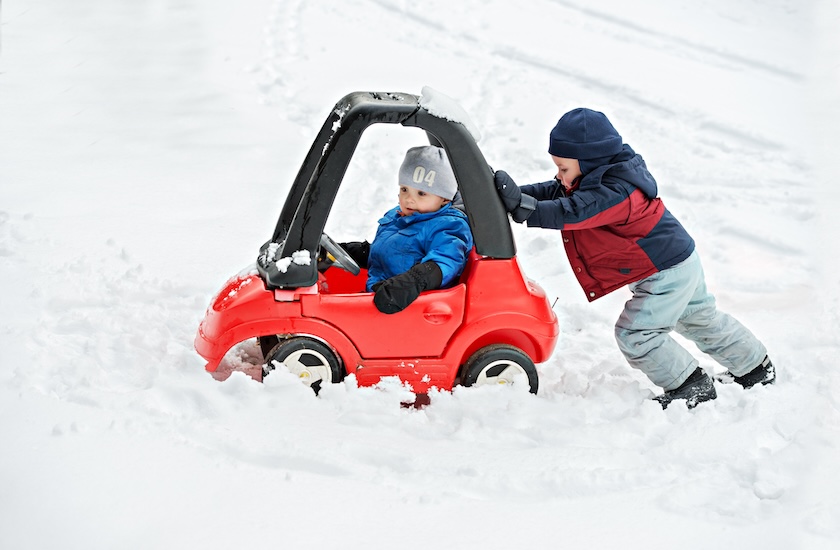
(585, 209)
(546, 190)
(448, 243)
(607, 203)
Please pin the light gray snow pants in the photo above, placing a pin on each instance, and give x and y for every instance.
(677, 299)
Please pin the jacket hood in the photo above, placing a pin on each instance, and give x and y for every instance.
(626, 165)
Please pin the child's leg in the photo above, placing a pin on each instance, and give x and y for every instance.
(642, 330)
(719, 334)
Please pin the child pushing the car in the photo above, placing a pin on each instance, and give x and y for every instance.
(423, 242)
(617, 232)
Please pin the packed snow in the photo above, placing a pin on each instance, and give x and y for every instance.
(443, 106)
(298, 257)
(146, 148)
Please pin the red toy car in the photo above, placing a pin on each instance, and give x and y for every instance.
(492, 327)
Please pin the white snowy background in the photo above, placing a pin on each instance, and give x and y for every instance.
(146, 147)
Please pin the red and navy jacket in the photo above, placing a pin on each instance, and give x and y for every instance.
(615, 229)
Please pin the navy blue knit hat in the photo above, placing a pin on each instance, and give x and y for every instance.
(584, 134)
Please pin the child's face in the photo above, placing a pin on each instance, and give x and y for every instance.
(567, 170)
(413, 201)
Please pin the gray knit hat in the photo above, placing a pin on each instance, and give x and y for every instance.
(427, 169)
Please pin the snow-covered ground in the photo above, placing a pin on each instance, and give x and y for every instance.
(146, 147)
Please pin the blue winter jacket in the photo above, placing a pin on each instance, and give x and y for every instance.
(615, 230)
(402, 242)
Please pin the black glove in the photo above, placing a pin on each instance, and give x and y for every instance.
(508, 190)
(359, 251)
(527, 205)
(517, 203)
(395, 294)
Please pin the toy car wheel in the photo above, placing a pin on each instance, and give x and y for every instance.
(500, 364)
(313, 362)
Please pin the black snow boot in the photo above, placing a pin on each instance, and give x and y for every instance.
(697, 388)
(765, 373)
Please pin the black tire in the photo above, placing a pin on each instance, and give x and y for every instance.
(499, 364)
(311, 360)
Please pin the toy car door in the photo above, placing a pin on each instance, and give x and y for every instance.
(421, 330)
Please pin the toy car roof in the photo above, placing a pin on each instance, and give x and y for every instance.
(310, 199)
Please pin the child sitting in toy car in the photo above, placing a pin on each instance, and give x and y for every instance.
(421, 244)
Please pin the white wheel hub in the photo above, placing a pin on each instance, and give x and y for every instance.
(503, 372)
(309, 365)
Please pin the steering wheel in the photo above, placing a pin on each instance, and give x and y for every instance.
(339, 256)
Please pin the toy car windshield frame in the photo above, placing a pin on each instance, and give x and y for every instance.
(311, 196)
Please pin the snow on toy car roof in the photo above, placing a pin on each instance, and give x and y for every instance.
(444, 106)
